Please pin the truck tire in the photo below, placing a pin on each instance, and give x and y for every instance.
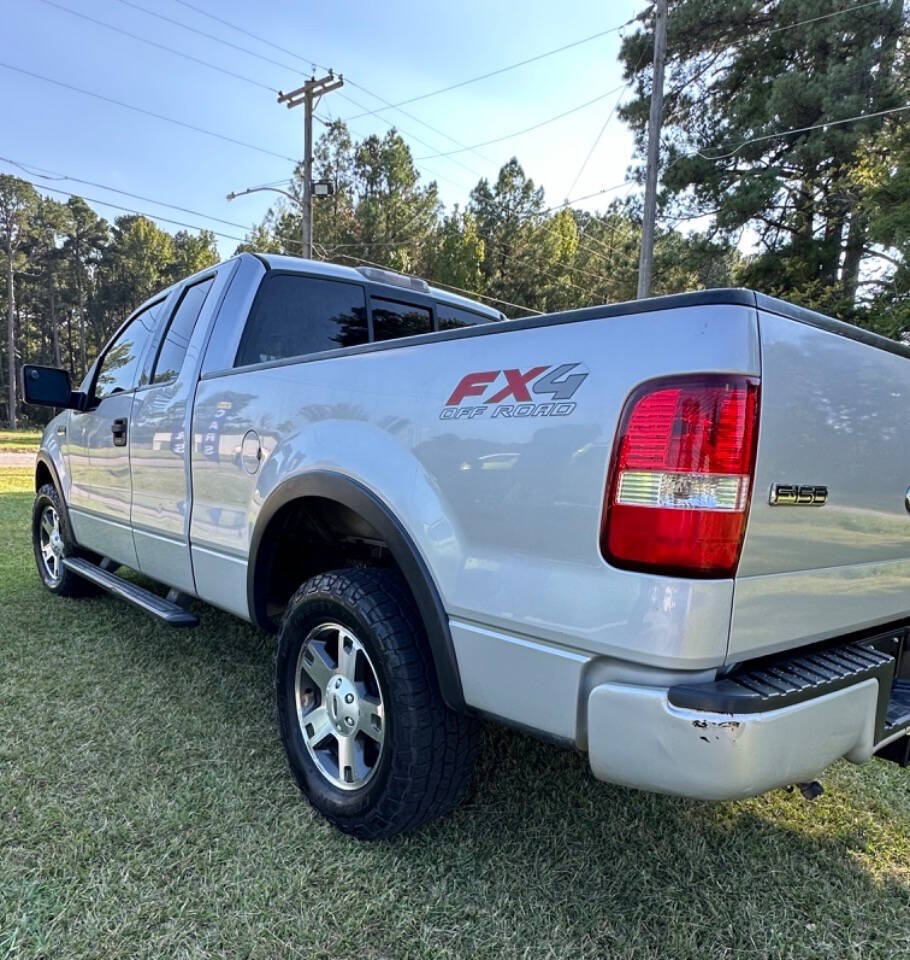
(52, 540)
(368, 736)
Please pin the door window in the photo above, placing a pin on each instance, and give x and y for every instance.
(392, 320)
(119, 368)
(295, 315)
(177, 339)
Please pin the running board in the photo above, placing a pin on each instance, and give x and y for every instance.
(160, 608)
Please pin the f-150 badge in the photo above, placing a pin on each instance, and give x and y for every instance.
(794, 495)
(559, 383)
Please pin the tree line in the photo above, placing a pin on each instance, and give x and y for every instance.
(820, 216)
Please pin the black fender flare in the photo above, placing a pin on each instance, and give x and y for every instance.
(44, 459)
(330, 485)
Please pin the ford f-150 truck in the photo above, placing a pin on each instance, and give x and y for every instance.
(673, 533)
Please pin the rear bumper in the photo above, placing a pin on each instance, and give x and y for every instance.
(780, 723)
(637, 738)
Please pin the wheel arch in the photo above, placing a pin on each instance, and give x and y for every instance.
(360, 500)
(46, 472)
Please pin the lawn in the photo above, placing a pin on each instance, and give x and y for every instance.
(19, 441)
(146, 811)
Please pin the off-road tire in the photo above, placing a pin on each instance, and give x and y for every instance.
(68, 584)
(427, 757)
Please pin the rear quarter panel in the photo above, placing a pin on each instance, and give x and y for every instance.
(505, 511)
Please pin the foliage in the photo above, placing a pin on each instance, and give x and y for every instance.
(77, 277)
(738, 73)
(820, 216)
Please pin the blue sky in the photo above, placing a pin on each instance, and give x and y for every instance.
(396, 49)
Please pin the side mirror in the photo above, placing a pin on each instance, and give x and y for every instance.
(49, 387)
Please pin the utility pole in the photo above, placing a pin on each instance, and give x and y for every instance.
(646, 256)
(308, 95)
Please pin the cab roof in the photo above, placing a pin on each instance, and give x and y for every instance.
(338, 272)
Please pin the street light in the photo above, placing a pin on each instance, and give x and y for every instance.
(242, 193)
(320, 188)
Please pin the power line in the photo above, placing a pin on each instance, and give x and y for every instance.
(825, 16)
(140, 213)
(296, 70)
(451, 286)
(597, 139)
(497, 72)
(147, 113)
(364, 136)
(212, 36)
(407, 133)
(787, 133)
(32, 171)
(535, 126)
(159, 46)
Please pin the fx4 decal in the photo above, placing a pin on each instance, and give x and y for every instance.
(523, 389)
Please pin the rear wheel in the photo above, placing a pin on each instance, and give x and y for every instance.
(367, 734)
(52, 542)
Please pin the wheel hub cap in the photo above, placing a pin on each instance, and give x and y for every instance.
(343, 704)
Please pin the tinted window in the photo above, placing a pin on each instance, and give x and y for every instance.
(451, 318)
(177, 339)
(296, 315)
(392, 320)
(119, 368)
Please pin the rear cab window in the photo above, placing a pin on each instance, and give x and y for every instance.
(295, 315)
(454, 318)
(298, 315)
(393, 319)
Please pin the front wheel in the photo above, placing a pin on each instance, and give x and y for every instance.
(368, 737)
(52, 540)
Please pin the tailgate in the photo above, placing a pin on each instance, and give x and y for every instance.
(835, 413)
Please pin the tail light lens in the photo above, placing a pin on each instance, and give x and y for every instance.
(681, 476)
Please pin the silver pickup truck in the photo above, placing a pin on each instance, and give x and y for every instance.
(672, 533)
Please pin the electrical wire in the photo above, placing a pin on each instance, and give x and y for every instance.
(536, 126)
(147, 113)
(132, 210)
(159, 46)
(787, 133)
(451, 286)
(497, 72)
(44, 173)
(312, 63)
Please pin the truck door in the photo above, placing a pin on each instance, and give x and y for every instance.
(160, 439)
(98, 443)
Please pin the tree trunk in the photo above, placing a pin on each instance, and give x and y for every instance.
(52, 306)
(853, 254)
(82, 334)
(11, 333)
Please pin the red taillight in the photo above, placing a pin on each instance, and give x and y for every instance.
(681, 476)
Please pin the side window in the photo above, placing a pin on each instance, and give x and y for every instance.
(452, 318)
(119, 369)
(295, 315)
(392, 320)
(174, 346)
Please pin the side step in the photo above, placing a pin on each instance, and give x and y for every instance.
(164, 610)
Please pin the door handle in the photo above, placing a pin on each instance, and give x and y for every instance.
(118, 429)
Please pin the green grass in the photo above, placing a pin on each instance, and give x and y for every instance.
(146, 811)
(19, 441)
